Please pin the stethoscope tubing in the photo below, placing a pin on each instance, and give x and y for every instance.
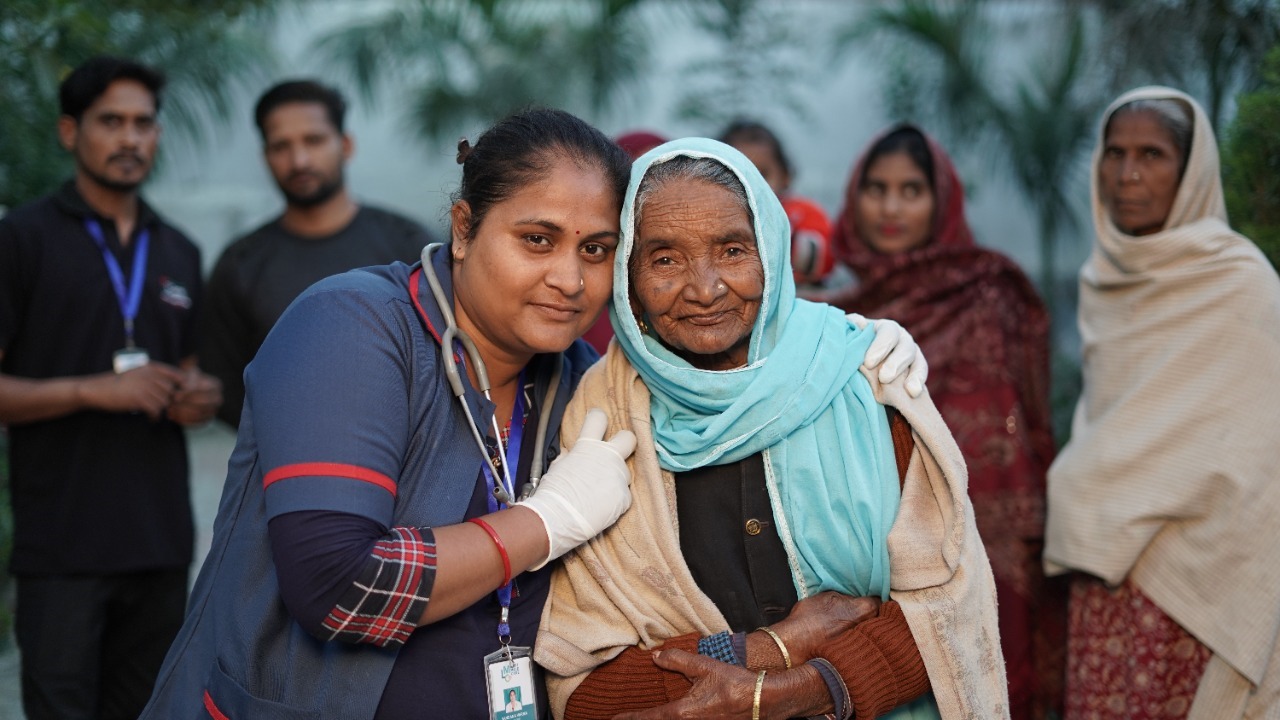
(506, 493)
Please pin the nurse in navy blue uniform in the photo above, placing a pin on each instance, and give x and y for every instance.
(378, 552)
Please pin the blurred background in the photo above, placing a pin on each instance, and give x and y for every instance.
(1013, 90)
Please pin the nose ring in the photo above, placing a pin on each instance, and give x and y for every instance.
(582, 283)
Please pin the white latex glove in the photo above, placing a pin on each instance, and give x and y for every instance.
(895, 352)
(586, 489)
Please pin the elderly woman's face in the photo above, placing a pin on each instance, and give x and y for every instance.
(696, 273)
(1138, 176)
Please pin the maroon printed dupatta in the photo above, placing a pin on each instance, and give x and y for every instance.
(984, 331)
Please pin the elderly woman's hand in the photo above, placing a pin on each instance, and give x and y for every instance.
(895, 352)
(721, 690)
(816, 620)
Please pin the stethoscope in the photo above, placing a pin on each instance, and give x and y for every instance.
(504, 487)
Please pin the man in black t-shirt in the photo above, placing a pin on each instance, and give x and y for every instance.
(322, 232)
(98, 376)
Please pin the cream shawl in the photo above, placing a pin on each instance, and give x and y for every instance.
(631, 586)
(1172, 475)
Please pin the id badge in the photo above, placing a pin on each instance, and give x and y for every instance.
(510, 677)
(122, 361)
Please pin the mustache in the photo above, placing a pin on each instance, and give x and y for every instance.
(303, 174)
(127, 155)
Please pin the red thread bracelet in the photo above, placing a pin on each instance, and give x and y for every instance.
(502, 549)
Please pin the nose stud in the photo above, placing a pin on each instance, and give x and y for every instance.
(1135, 176)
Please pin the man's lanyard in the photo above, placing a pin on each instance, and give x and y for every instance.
(511, 464)
(131, 298)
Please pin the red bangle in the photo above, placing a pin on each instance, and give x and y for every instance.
(502, 549)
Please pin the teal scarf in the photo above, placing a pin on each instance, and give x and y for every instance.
(799, 400)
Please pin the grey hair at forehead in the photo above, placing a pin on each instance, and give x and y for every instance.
(685, 167)
(1173, 115)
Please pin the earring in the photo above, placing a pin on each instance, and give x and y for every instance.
(644, 326)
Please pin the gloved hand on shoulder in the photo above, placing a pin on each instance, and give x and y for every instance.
(586, 489)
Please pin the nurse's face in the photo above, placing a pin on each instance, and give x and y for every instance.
(537, 271)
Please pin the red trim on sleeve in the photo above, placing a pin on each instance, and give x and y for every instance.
(214, 712)
(343, 470)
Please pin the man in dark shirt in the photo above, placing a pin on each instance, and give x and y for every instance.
(98, 305)
(322, 232)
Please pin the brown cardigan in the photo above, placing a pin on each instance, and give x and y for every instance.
(878, 659)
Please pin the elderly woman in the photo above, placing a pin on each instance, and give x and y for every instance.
(986, 334)
(1165, 501)
(774, 487)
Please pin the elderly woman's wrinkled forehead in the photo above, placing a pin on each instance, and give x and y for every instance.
(1171, 114)
(685, 168)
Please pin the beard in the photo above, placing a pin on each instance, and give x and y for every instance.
(113, 184)
(323, 192)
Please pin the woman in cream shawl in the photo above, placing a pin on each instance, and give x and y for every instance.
(1165, 501)
(791, 403)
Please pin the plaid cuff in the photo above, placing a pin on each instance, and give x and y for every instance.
(718, 647)
(383, 605)
(835, 684)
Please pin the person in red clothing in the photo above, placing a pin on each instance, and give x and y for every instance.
(986, 334)
(639, 142)
(811, 258)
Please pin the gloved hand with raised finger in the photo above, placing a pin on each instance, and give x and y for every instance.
(895, 352)
(586, 489)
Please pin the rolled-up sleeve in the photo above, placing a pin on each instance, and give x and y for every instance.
(329, 396)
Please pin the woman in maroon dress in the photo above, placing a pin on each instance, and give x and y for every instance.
(984, 331)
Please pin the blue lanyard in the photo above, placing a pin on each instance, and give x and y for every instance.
(129, 299)
(512, 461)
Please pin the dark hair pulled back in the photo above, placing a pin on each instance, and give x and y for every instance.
(903, 139)
(522, 148)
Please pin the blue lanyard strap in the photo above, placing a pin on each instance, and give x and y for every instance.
(512, 462)
(131, 298)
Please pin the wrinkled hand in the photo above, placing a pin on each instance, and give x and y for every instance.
(586, 489)
(895, 352)
(720, 690)
(819, 619)
(197, 399)
(148, 389)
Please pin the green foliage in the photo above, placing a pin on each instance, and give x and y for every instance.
(1036, 126)
(1251, 162)
(205, 48)
(474, 61)
(729, 81)
(1211, 49)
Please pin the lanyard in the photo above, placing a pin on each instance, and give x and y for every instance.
(129, 299)
(510, 464)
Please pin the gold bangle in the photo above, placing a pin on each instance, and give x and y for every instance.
(782, 647)
(755, 700)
